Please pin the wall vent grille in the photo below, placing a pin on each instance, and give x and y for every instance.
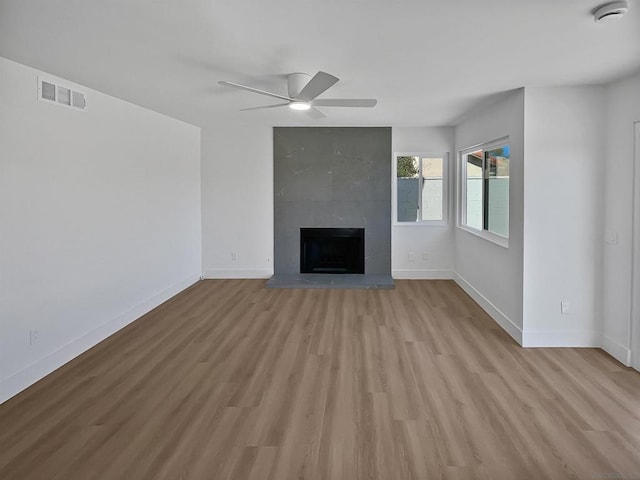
(52, 92)
(78, 100)
(48, 91)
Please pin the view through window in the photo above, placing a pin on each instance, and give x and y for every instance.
(485, 188)
(421, 188)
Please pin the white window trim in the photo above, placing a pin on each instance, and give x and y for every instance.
(445, 190)
(462, 194)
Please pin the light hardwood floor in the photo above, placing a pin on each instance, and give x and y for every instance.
(230, 380)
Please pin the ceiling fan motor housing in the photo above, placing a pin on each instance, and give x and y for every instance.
(296, 82)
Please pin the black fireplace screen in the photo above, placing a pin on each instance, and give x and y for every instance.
(332, 250)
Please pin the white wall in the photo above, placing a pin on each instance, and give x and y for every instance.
(435, 241)
(635, 302)
(635, 310)
(563, 215)
(99, 218)
(237, 202)
(622, 110)
(490, 273)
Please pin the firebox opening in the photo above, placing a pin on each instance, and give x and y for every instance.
(332, 250)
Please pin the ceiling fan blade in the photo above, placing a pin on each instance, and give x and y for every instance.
(320, 82)
(315, 113)
(345, 102)
(254, 90)
(264, 106)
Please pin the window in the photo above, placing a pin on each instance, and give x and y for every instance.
(484, 187)
(421, 188)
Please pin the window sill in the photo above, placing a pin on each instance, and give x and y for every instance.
(427, 223)
(491, 237)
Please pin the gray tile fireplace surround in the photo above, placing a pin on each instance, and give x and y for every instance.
(332, 177)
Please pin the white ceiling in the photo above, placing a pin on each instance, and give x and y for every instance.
(426, 61)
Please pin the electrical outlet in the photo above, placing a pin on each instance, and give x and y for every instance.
(411, 256)
(34, 337)
(234, 256)
(610, 236)
(564, 307)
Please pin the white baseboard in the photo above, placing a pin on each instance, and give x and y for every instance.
(616, 350)
(494, 312)
(238, 273)
(422, 274)
(44, 366)
(561, 338)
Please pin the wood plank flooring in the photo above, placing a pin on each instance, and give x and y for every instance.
(230, 380)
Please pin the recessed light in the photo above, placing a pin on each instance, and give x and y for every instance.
(299, 106)
(611, 10)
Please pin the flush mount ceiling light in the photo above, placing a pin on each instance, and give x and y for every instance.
(299, 106)
(610, 11)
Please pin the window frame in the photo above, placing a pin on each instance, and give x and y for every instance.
(445, 189)
(462, 193)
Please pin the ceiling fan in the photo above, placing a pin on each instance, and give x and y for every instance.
(303, 90)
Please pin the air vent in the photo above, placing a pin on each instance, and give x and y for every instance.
(64, 95)
(48, 91)
(77, 100)
(52, 92)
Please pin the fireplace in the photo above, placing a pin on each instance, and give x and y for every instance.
(331, 177)
(332, 250)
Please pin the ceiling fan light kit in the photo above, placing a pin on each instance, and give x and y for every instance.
(299, 106)
(610, 11)
(303, 89)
